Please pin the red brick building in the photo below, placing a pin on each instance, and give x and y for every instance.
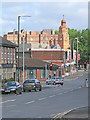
(48, 46)
(44, 38)
(7, 59)
(63, 38)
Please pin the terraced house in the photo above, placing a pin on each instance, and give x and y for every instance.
(7, 59)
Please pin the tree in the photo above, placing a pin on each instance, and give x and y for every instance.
(82, 45)
(56, 32)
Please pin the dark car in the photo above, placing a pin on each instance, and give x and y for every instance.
(12, 87)
(32, 84)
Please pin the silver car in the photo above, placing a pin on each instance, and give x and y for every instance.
(57, 80)
(32, 84)
(49, 81)
(13, 86)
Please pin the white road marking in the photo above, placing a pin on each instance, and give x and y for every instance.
(60, 93)
(66, 92)
(30, 102)
(41, 98)
(52, 96)
(10, 106)
(7, 101)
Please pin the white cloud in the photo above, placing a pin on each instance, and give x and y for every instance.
(6, 21)
(15, 9)
(83, 11)
(37, 12)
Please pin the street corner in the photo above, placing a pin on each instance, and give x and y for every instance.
(76, 113)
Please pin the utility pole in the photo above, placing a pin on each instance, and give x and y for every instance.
(77, 54)
(18, 39)
(70, 55)
(73, 50)
(23, 58)
(18, 43)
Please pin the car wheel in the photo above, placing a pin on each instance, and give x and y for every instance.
(54, 83)
(20, 92)
(40, 89)
(36, 89)
(61, 83)
(29, 90)
(17, 92)
(24, 90)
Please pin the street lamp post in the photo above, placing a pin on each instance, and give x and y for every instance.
(70, 55)
(73, 50)
(18, 39)
(77, 53)
(23, 58)
(18, 43)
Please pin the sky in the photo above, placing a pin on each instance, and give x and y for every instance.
(44, 15)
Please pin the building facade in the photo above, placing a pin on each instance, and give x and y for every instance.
(7, 59)
(63, 38)
(42, 39)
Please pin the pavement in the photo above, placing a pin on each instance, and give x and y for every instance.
(77, 113)
(75, 75)
(81, 113)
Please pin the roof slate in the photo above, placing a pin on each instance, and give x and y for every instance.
(6, 43)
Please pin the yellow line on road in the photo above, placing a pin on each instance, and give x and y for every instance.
(60, 115)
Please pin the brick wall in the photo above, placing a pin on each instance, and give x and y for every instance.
(47, 55)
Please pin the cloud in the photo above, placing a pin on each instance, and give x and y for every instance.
(37, 12)
(83, 11)
(6, 21)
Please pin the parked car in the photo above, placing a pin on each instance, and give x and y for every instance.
(12, 87)
(32, 84)
(49, 81)
(57, 80)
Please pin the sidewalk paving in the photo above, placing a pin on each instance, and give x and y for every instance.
(77, 113)
(75, 75)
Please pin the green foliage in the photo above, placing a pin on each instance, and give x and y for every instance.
(56, 32)
(7, 80)
(82, 45)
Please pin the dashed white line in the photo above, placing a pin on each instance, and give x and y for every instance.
(41, 98)
(52, 96)
(10, 106)
(66, 92)
(7, 101)
(60, 93)
(30, 102)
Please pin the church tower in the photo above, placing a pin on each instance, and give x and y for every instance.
(63, 38)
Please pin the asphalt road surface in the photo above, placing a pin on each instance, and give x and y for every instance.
(47, 103)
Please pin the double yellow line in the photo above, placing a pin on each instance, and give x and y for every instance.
(60, 115)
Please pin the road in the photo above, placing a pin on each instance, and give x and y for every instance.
(46, 103)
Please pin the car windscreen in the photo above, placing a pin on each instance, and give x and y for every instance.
(29, 81)
(57, 78)
(11, 84)
(32, 81)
